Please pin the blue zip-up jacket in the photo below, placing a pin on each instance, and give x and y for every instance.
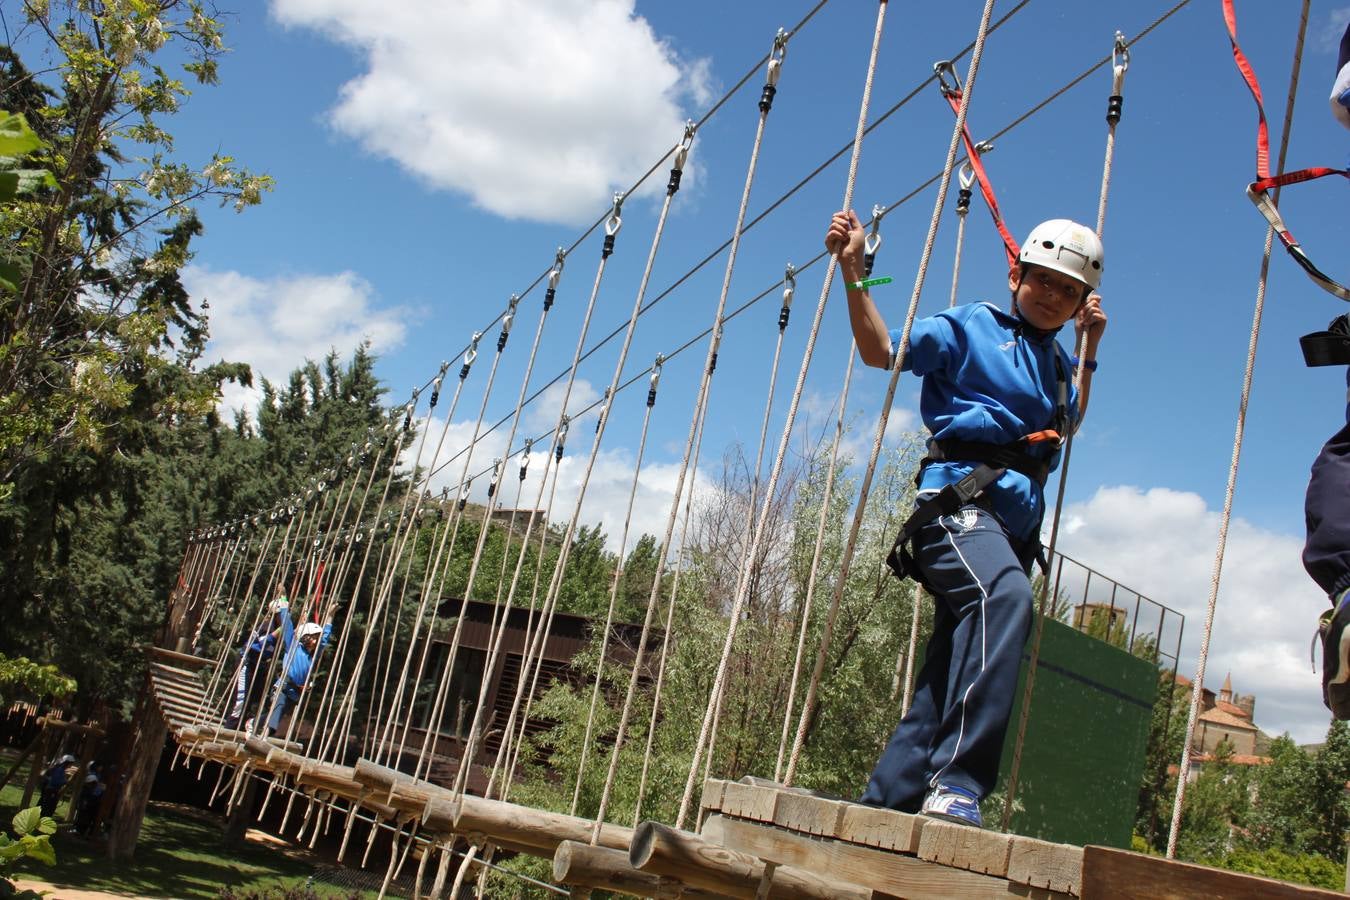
(988, 377)
(297, 662)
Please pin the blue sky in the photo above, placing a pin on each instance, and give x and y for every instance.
(430, 157)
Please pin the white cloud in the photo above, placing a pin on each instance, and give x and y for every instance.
(607, 487)
(275, 324)
(532, 110)
(1162, 542)
(1329, 36)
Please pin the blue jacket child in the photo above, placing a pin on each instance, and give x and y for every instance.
(993, 384)
(301, 646)
(254, 661)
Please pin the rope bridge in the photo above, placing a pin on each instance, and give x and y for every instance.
(370, 547)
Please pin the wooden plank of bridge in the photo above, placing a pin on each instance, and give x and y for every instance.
(884, 871)
(810, 812)
(748, 801)
(1058, 867)
(964, 847)
(1110, 874)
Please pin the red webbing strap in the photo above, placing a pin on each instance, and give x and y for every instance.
(1010, 245)
(1258, 191)
(318, 590)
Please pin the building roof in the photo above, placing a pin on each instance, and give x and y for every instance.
(1217, 716)
(1232, 709)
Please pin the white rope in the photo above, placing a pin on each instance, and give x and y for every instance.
(821, 526)
(1120, 54)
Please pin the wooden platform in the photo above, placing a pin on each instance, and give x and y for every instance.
(889, 852)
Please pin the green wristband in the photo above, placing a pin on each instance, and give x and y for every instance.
(860, 285)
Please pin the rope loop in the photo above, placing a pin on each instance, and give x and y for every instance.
(554, 274)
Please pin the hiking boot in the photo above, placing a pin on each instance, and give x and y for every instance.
(953, 804)
(1336, 657)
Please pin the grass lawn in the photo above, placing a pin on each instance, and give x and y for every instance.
(179, 855)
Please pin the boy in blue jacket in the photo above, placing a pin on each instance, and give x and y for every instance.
(302, 646)
(998, 398)
(254, 661)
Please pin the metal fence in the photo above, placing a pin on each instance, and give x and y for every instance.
(1104, 608)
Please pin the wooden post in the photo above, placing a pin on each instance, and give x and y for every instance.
(91, 739)
(149, 732)
(236, 827)
(39, 760)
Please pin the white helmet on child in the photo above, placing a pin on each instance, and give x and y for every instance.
(1066, 247)
(309, 629)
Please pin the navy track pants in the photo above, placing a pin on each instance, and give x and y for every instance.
(953, 733)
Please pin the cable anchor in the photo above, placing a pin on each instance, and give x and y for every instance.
(1120, 62)
(655, 380)
(507, 321)
(944, 69)
(563, 425)
(470, 355)
(681, 156)
(789, 291)
(555, 273)
(776, 57)
(873, 240)
(612, 225)
(525, 457)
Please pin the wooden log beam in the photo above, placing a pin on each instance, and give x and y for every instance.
(439, 815)
(1110, 874)
(503, 822)
(173, 657)
(583, 865)
(71, 727)
(662, 850)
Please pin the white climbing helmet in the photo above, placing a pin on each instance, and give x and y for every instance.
(309, 629)
(1066, 247)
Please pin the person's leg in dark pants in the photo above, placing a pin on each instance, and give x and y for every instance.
(900, 778)
(970, 566)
